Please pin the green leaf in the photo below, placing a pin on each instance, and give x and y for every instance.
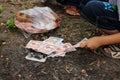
(1, 8)
(11, 24)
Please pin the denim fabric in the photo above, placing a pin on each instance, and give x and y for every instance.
(102, 14)
(99, 12)
(77, 3)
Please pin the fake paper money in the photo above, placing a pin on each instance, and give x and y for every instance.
(47, 48)
(53, 40)
(78, 44)
(66, 47)
(33, 44)
(51, 47)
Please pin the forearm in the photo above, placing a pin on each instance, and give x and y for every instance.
(118, 5)
(109, 39)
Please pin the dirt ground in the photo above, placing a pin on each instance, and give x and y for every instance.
(79, 65)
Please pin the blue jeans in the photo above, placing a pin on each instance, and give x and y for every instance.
(77, 3)
(99, 12)
(102, 14)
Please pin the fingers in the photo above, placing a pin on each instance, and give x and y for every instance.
(83, 44)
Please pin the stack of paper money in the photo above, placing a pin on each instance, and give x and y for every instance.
(51, 47)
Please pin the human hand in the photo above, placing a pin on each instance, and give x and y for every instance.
(92, 43)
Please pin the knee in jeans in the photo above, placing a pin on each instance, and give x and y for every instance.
(63, 2)
(91, 5)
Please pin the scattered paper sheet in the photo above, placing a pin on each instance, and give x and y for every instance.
(51, 47)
